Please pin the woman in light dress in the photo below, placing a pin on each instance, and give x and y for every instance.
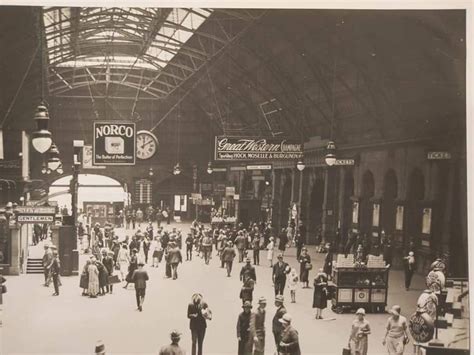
(270, 247)
(123, 261)
(293, 284)
(396, 336)
(358, 340)
(93, 288)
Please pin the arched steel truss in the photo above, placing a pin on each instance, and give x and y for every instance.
(151, 50)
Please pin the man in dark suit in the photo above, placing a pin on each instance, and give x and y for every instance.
(276, 324)
(280, 269)
(248, 271)
(140, 277)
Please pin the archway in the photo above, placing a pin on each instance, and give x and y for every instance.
(413, 215)
(315, 213)
(367, 192)
(285, 202)
(100, 197)
(390, 191)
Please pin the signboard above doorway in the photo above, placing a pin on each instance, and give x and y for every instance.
(114, 143)
(253, 148)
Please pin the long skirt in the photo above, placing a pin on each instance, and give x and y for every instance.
(395, 346)
(93, 288)
(359, 346)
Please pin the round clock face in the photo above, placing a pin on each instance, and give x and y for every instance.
(147, 145)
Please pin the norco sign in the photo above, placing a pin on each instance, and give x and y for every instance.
(114, 143)
(238, 148)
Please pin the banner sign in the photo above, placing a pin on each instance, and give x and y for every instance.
(259, 167)
(35, 219)
(439, 155)
(34, 210)
(345, 162)
(238, 148)
(114, 143)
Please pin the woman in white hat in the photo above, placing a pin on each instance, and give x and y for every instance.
(396, 336)
(358, 339)
(409, 269)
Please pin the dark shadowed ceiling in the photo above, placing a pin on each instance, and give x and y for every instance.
(188, 74)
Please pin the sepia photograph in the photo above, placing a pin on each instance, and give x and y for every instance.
(222, 178)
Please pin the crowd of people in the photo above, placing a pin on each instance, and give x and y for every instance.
(114, 259)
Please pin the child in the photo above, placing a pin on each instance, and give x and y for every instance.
(293, 284)
(270, 247)
(206, 312)
(156, 254)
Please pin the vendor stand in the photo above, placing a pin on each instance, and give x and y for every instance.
(359, 285)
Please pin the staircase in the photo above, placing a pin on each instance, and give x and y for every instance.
(34, 266)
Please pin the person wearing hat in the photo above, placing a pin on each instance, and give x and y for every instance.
(174, 258)
(93, 273)
(305, 265)
(189, 241)
(289, 342)
(256, 248)
(409, 269)
(358, 339)
(283, 240)
(140, 277)
(47, 259)
(276, 325)
(228, 255)
(257, 327)
(99, 348)
(206, 247)
(243, 330)
(54, 270)
(280, 270)
(240, 242)
(123, 260)
(270, 247)
(320, 297)
(396, 336)
(197, 323)
(248, 271)
(173, 348)
(109, 263)
(132, 266)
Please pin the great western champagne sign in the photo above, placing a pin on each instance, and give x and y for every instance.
(114, 143)
(241, 148)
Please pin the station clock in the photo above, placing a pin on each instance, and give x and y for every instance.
(147, 145)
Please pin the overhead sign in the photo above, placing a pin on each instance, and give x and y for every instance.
(238, 148)
(259, 167)
(229, 191)
(238, 168)
(87, 158)
(114, 143)
(219, 170)
(439, 155)
(31, 210)
(344, 162)
(35, 219)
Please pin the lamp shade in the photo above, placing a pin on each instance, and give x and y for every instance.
(41, 139)
(330, 157)
(300, 165)
(209, 168)
(54, 162)
(60, 170)
(177, 169)
(151, 172)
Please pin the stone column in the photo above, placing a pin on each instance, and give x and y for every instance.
(328, 223)
(341, 198)
(15, 265)
(446, 232)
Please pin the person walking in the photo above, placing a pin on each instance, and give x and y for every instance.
(173, 348)
(189, 247)
(305, 265)
(283, 240)
(396, 336)
(243, 330)
(197, 324)
(270, 247)
(132, 267)
(299, 242)
(409, 269)
(123, 260)
(47, 259)
(289, 342)
(206, 247)
(139, 216)
(93, 287)
(257, 327)
(248, 271)
(358, 339)
(228, 255)
(174, 258)
(293, 284)
(276, 325)
(108, 262)
(328, 260)
(320, 299)
(84, 280)
(246, 292)
(139, 278)
(280, 270)
(54, 270)
(256, 249)
(240, 242)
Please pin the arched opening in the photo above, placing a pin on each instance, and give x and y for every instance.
(100, 197)
(348, 193)
(413, 215)
(285, 202)
(390, 191)
(367, 192)
(315, 215)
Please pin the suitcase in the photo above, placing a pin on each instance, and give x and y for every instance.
(346, 351)
(84, 281)
(113, 279)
